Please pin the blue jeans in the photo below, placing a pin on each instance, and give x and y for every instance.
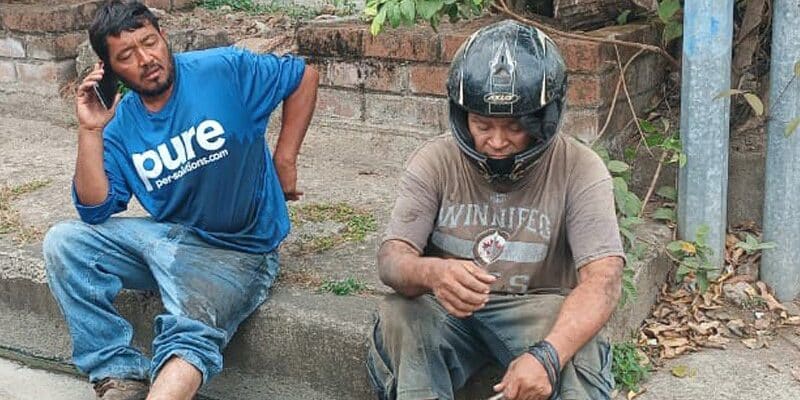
(419, 351)
(206, 291)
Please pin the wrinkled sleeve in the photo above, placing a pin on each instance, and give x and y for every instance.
(417, 204)
(592, 230)
(266, 79)
(118, 193)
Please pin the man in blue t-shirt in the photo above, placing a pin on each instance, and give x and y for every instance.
(188, 142)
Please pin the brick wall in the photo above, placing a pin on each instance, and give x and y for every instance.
(39, 41)
(397, 80)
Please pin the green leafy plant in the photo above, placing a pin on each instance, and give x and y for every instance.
(343, 287)
(693, 258)
(628, 366)
(669, 16)
(628, 205)
(661, 138)
(407, 12)
(752, 245)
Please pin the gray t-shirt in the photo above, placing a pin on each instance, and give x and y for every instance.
(533, 236)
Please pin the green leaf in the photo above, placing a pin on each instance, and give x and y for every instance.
(728, 93)
(647, 126)
(408, 10)
(632, 205)
(672, 31)
(667, 10)
(393, 13)
(682, 160)
(791, 127)
(377, 22)
(428, 8)
(797, 68)
(665, 214)
(667, 192)
(617, 167)
(755, 103)
(622, 18)
(675, 246)
(702, 282)
(681, 272)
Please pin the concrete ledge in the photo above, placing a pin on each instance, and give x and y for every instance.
(299, 342)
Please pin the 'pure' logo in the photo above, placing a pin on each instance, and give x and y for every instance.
(207, 134)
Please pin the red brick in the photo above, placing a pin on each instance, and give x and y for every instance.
(44, 72)
(11, 47)
(415, 112)
(451, 42)
(584, 55)
(428, 79)
(40, 18)
(8, 73)
(591, 90)
(410, 44)
(55, 46)
(339, 103)
(160, 4)
(344, 74)
(326, 39)
(183, 4)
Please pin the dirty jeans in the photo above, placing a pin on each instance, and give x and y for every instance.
(206, 291)
(419, 351)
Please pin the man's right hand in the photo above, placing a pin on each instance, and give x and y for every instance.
(461, 286)
(92, 116)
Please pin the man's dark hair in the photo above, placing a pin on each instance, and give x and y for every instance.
(114, 17)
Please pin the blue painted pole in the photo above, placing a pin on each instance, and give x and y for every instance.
(780, 267)
(703, 181)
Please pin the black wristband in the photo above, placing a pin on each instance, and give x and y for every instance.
(546, 354)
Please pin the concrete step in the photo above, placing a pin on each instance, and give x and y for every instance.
(301, 341)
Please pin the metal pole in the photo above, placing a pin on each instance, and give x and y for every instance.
(780, 267)
(703, 181)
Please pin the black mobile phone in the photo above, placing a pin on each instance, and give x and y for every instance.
(106, 89)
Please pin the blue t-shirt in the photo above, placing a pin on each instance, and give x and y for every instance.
(202, 161)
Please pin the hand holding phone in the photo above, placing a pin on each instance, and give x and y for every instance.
(95, 97)
(106, 88)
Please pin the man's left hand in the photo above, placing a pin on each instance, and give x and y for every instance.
(525, 379)
(287, 175)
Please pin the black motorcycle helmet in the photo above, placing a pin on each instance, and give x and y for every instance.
(507, 69)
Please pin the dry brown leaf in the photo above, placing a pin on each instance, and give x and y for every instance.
(751, 343)
(795, 321)
(632, 395)
(674, 342)
(771, 302)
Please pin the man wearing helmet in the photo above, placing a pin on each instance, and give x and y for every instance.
(503, 243)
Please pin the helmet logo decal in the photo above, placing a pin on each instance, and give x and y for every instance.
(501, 98)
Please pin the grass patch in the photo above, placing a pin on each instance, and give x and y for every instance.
(343, 287)
(628, 366)
(10, 221)
(357, 224)
(254, 8)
